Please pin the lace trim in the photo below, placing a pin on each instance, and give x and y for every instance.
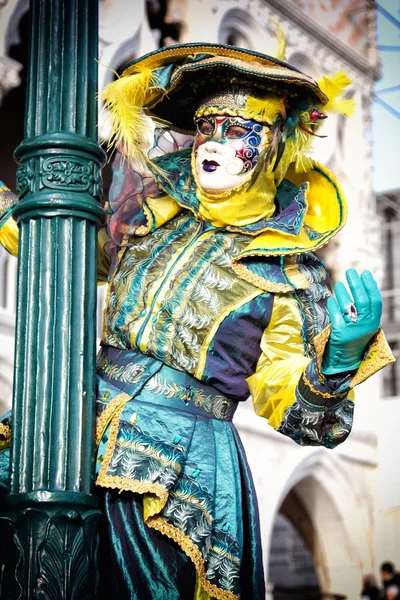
(378, 356)
(124, 483)
(108, 413)
(320, 342)
(192, 551)
(258, 281)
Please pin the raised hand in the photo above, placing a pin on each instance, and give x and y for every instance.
(354, 321)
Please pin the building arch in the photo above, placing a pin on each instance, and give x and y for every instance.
(303, 63)
(239, 28)
(342, 548)
(11, 35)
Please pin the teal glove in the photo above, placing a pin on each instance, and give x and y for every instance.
(354, 321)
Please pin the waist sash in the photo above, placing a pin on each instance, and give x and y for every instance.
(133, 372)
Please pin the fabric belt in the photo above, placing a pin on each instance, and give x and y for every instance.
(135, 373)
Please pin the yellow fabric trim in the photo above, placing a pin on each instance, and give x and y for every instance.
(378, 356)
(210, 335)
(293, 273)
(9, 234)
(291, 270)
(319, 393)
(199, 592)
(326, 213)
(164, 209)
(192, 551)
(5, 431)
(320, 342)
(111, 409)
(281, 363)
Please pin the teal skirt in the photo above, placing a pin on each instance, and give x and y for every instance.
(175, 484)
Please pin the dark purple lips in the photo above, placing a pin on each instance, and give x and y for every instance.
(210, 166)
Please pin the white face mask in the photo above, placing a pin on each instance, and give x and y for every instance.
(226, 150)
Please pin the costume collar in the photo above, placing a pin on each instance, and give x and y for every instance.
(311, 207)
(290, 199)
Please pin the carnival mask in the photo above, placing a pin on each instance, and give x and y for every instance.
(226, 150)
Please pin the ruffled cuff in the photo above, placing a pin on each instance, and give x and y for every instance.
(319, 390)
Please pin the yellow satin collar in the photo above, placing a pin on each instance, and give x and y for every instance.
(248, 203)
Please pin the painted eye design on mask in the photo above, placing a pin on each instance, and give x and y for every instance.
(236, 132)
(205, 127)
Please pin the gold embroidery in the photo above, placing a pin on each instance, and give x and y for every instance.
(323, 394)
(258, 281)
(378, 356)
(204, 111)
(124, 483)
(320, 342)
(192, 551)
(115, 405)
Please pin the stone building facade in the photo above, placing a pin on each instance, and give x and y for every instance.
(322, 517)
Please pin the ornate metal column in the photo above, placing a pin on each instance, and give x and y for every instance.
(48, 534)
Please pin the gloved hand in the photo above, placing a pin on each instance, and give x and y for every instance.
(354, 322)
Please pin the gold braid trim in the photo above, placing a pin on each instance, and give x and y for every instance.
(192, 551)
(323, 394)
(125, 483)
(258, 281)
(378, 356)
(108, 413)
(320, 342)
(142, 487)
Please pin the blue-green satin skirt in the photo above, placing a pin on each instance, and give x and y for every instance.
(173, 436)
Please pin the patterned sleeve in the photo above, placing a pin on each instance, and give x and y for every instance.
(9, 233)
(288, 387)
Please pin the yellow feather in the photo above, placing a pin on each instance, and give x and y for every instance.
(281, 39)
(334, 86)
(266, 109)
(124, 99)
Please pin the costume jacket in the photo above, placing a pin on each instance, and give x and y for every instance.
(197, 319)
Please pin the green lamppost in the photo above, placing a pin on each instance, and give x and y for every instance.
(48, 527)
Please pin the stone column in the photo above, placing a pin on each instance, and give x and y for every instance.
(48, 531)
